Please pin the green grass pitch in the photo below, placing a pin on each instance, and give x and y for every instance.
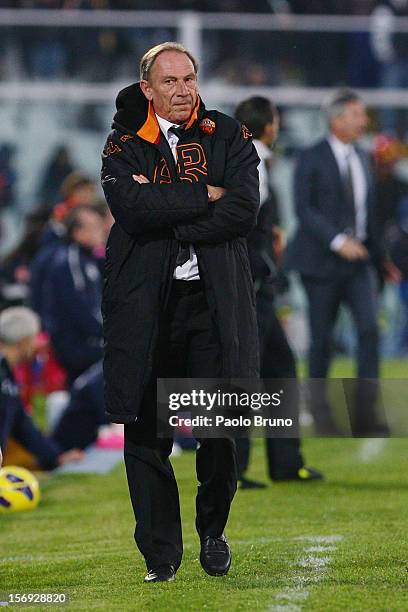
(337, 545)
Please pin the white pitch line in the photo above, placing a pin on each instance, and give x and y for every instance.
(60, 556)
(320, 549)
(314, 563)
(315, 559)
(370, 449)
(332, 539)
(286, 608)
(260, 540)
(114, 551)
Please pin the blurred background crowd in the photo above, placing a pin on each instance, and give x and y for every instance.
(57, 86)
(320, 7)
(365, 59)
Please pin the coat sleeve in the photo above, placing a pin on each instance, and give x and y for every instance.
(310, 217)
(234, 214)
(147, 207)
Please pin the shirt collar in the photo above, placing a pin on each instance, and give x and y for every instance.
(164, 125)
(340, 148)
(264, 152)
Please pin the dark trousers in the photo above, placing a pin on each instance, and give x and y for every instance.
(188, 347)
(356, 287)
(79, 424)
(277, 361)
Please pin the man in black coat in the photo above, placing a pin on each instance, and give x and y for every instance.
(337, 252)
(182, 185)
(285, 461)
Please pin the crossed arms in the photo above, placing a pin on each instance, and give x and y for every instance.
(185, 208)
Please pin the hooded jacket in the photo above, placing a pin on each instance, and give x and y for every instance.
(151, 220)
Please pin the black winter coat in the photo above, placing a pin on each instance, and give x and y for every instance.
(152, 218)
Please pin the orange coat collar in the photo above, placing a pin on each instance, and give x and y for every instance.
(150, 130)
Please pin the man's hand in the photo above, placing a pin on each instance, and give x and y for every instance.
(215, 193)
(139, 178)
(391, 273)
(75, 454)
(352, 250)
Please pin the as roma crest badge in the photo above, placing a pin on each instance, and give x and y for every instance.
(207, 126)
(245, 132)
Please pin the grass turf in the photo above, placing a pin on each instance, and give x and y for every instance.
(79, 540)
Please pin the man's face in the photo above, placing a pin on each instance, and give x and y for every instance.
(90, 233)
(271, 131)
(172, 86)
(85, 194)
(352, 123)
(26, 349)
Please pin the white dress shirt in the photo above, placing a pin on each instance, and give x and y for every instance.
(189, 271)
(346, 154)
(264, 154)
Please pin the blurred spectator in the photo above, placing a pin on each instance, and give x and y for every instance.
(105, 54)
(398, 238)
(40, 376)
(44, 52)
(398, 246)
(58, 168)
(77, 189)
(87, 4)
(104, 211)
(391, 51)
(15, 268)
(41, 4)
(318, 7)
(18, 329)
(99, 55)
(85, 413)
(107, 219)
(74, 289)
(7, 176)
(331, 7)
(387, 152)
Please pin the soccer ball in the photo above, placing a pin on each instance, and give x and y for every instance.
(19, 489)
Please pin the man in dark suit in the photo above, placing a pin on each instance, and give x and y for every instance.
(336, 250)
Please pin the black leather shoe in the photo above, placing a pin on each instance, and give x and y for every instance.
(246, 483)
(373, 430)
(215, 555)
(163, 573)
